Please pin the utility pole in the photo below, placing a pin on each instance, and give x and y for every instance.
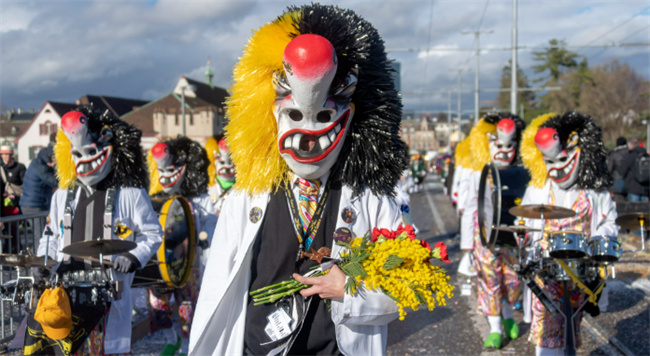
(449, 120)
(477, 35)
(459, 70)
(513, 69)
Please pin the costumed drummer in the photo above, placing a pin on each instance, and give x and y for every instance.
(566, 159)
(313, 122)
(99, 165)
(495, 139)
(180, 167)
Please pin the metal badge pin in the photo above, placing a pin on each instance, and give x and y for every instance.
(343, 234)
(255, 214)
(349, 215)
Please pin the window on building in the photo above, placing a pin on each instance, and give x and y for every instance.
(176, 119)
(191, 120)
(33, 152)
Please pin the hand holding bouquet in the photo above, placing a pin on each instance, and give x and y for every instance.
(393, 262)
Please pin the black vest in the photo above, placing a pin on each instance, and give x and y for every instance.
(274, 260)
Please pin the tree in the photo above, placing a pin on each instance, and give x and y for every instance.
(615, 96)
(526, 98)
(556, 59)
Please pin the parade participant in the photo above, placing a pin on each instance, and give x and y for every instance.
(495, 139)
(459, 193)
(180, 167)
(221, 171)
(566, 159)
(313, 114)
(99, 165)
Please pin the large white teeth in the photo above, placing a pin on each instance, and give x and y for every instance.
(324, 142)
(95, 164)
(337, 128)
(296, 141)
(553, 173)
(287, 142)
(331, 135)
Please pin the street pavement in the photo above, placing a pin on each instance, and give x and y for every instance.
(457, 329)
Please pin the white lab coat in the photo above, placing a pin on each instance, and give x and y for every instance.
(133, 209)
(206, 220)
(218, 328)
(461, 186)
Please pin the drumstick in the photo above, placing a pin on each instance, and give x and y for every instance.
(108, 263)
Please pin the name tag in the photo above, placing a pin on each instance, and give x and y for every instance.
(278, 325)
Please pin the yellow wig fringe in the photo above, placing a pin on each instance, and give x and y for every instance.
(252, 131)
(462, 154)
(480, 145)
(154, 182)
(65, 168)
(531, 156)
(211, 147)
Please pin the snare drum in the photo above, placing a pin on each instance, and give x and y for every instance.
(568, 244)
(584, 269)
(172, 265)
(605, 248)
(91, 287)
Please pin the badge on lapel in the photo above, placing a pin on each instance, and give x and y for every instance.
(255, 215)
(343, 234)
(349, 215)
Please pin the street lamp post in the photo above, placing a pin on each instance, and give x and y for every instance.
(190, 87)
(477, 35)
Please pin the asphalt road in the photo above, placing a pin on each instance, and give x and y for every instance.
(456, 329)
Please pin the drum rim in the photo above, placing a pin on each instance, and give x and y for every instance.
(573, 232)
(160, 255)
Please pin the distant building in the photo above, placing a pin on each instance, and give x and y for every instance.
(163, 118)
(12, 124)
(418, 135)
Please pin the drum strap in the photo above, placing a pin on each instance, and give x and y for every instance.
(108, 213)
(592, 295)
(67, 219)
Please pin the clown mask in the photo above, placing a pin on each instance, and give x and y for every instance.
(561, 163)
(225, 167)
(91, 151)
(313, 118)
(503, 145)
(171, 169)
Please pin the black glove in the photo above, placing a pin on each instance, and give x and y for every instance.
(126, 263)
(40, 272)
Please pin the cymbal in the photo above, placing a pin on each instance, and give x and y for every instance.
(517, 229)
(95, 247)
(25, 260)
(631, 221)
(534, 211)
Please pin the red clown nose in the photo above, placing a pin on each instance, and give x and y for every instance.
(73, 121)
(222, 145)
(548, 141)
(507, 126)
(159, 151)
(309, 56)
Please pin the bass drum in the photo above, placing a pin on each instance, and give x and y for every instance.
(172, 265)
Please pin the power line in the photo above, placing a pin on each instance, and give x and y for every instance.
(526, 48)
(480, 23)
(620, 25)
(606, 48)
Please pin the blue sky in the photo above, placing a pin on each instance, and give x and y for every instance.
(60, 50)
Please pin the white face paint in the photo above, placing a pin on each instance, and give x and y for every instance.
(562, 165)
(503, 145)
(225, 167)
(91, 155)
(171, 170)
(312, 120)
